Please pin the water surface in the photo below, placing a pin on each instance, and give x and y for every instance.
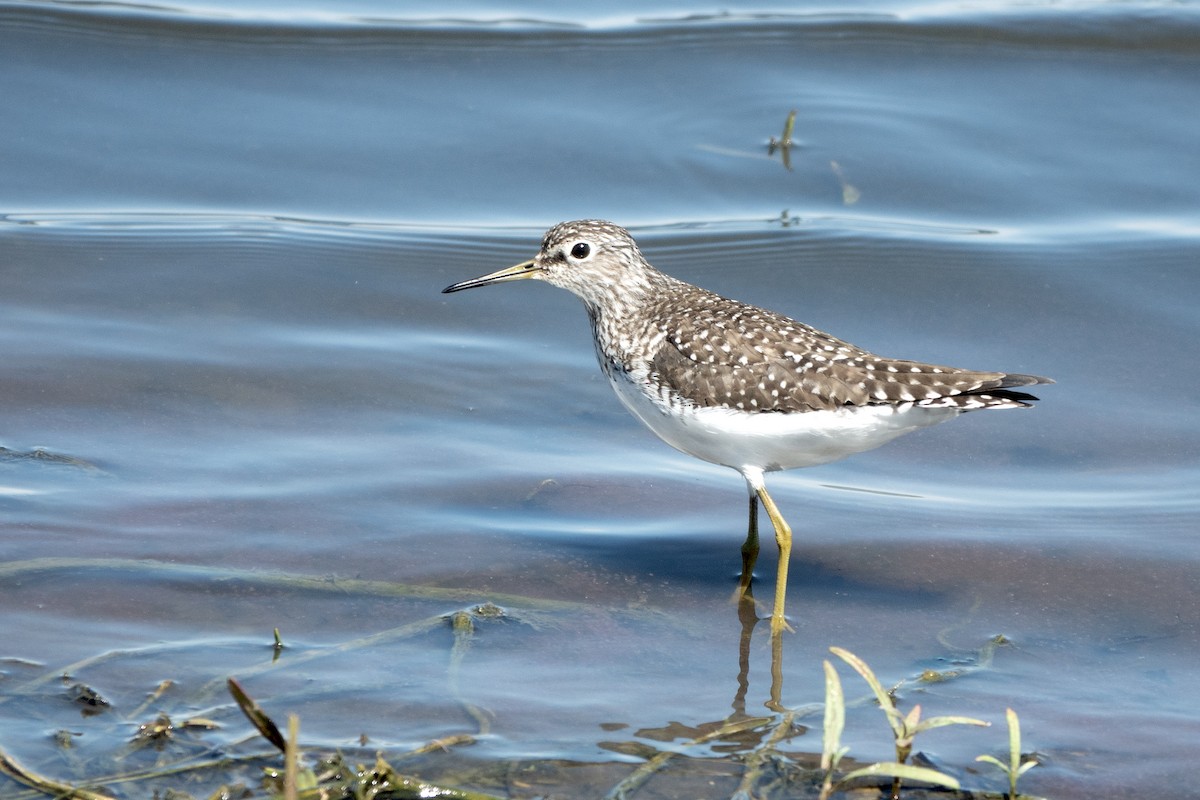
(224, 232)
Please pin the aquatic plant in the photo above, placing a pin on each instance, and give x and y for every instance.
(905, 728)
(1016, 767)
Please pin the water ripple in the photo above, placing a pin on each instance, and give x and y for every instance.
(199, 225)
(1095, 24)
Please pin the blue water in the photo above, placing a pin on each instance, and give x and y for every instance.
(223, 234)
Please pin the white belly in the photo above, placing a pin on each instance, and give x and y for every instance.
(767, 441)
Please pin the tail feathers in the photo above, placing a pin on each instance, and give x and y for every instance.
(998, 398)
(1010, 380)
(997, 395)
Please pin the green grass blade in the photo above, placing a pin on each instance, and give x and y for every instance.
(1014, 741)
(835, 718)
(993, 760)
(941, 722)
(788, 127)
(905, 772)
(895, 719)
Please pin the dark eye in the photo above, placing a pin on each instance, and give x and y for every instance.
(581, 250)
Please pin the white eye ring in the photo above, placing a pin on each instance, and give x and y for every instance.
(581, 251)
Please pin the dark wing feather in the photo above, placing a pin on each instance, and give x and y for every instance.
(720, 354)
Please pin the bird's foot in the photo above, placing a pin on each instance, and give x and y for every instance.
(779, 624)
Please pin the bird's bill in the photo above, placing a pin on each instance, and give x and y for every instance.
(526, 269)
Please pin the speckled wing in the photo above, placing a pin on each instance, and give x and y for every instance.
(717, 353)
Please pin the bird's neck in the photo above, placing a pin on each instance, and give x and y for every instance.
(624, 323)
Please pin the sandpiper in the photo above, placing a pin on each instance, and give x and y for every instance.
(738, 385)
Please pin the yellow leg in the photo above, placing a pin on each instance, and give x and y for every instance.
(783, 537)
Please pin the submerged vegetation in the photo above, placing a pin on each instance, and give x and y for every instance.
(214, 741)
